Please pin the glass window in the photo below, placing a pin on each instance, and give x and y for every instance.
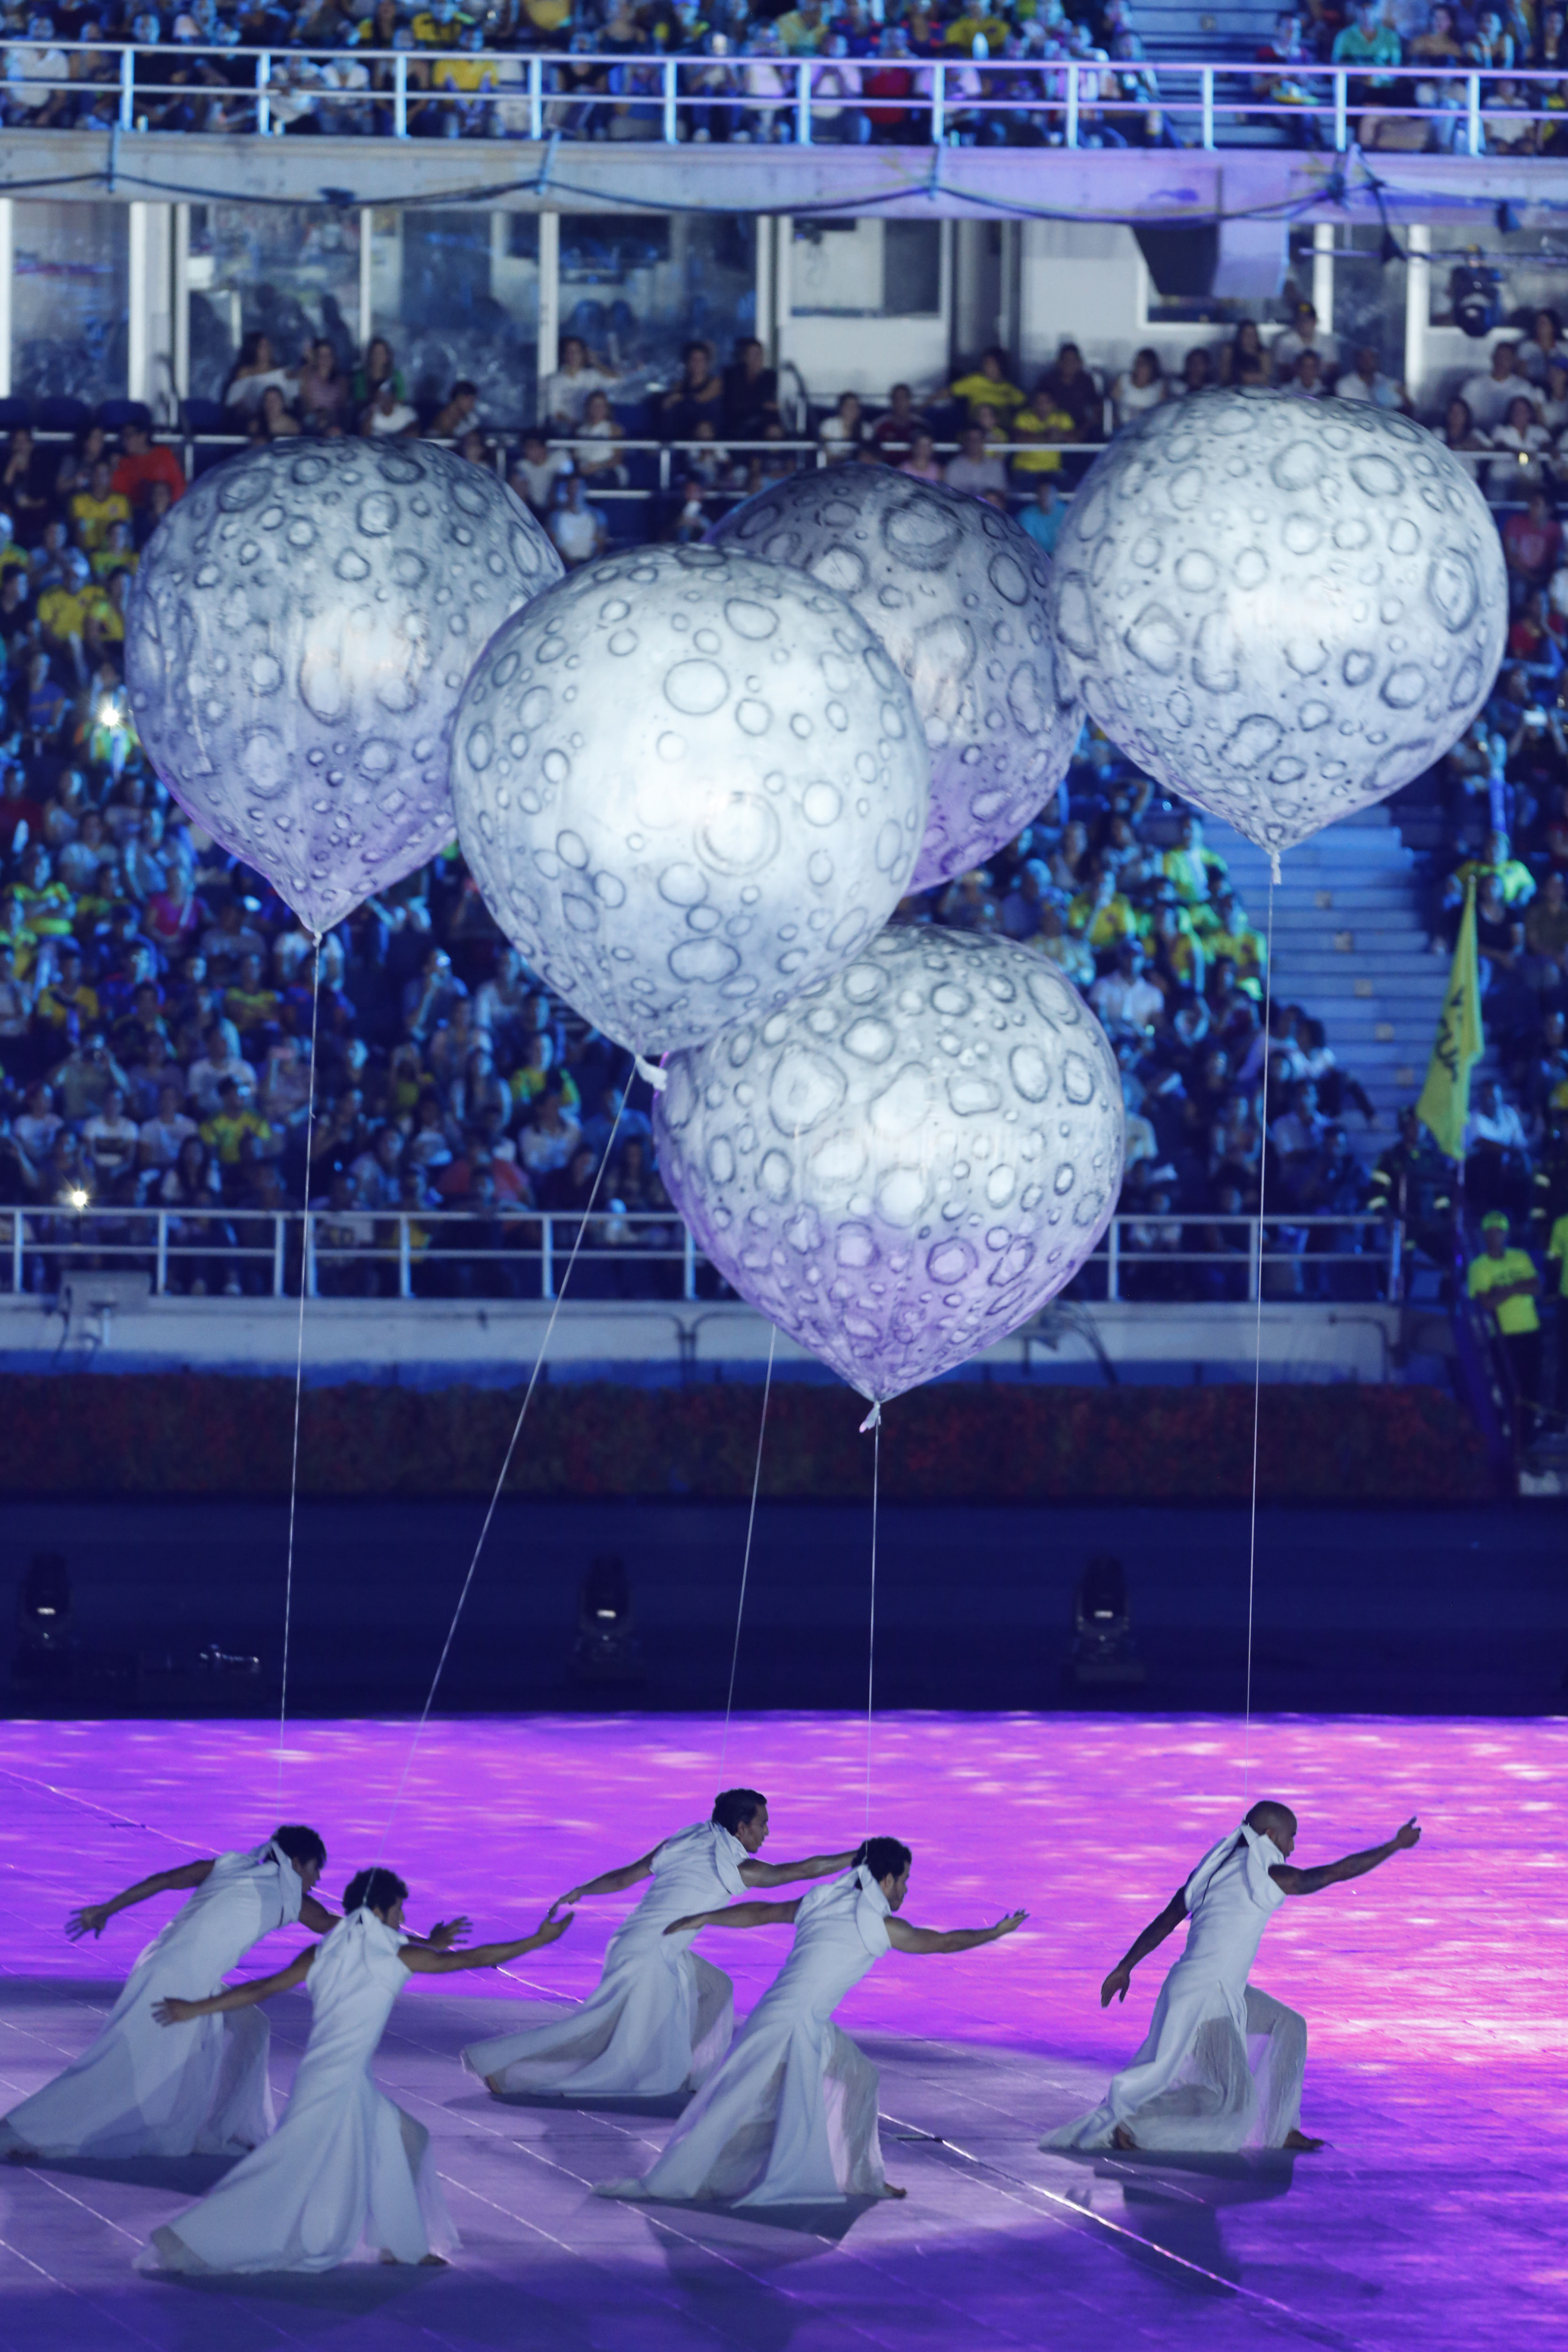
(69, 302)
(866, 269)
(1529, 270)
(456, 295)
(290, 272)
(637, 291)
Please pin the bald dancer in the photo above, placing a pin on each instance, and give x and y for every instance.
(1223, 2064)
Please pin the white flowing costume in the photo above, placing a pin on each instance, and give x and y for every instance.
(660, 2019)
(345, 2165)
(139, 2090)
(790, 2116)
(1223, 2064)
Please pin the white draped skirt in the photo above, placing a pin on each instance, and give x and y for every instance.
(1200, 2087)
(658, 2021)
(139, 2089)
(788, 2120)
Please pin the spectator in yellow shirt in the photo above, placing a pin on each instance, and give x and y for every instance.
(1557, 1253)
(987, 386)
(92, 511)
(1040, 422)
(1101, 915)
(1506, 1284)
(116, 554)
(976, 20)
(802, 29)
(67, 995)
(225, 1133)
(1193, 869)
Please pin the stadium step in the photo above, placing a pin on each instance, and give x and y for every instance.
(1350, 948)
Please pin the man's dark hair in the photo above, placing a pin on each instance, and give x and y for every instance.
(885, 1857)
(301, 1844)
(1268, 1815)
(376, 1889)
(733, 1808)
(462, 386)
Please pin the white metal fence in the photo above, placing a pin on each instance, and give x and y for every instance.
(1071, 103)
(509, 1252)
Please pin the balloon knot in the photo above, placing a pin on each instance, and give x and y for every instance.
(1274, 873)
(649, 1071)
(873, 1420)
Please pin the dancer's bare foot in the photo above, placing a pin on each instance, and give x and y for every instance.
(1121, 2137)
(1301, 2143)
(888, 2189)
(425, 2261)
(493, 2083)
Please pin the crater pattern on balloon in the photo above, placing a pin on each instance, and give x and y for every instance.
(957, 593)
(1283, 609)
(906, 1162)
(300, 632)
(688, 784)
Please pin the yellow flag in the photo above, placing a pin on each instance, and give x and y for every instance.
(1445, 1103)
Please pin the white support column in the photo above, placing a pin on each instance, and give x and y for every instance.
(1417, 305)
(8, 262)
(549, 302)
(1323, 274)
(139, 304)
(767, 246)
(366, 302)
(180, 301)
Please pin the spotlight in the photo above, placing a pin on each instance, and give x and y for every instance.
(77, 1196)
(44, 1612)
(608, 1648)
(1103, 1650)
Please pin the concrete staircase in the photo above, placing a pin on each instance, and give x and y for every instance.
(1350, 947)
(1175, 28)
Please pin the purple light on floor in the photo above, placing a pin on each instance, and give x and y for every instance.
(1432, 1990)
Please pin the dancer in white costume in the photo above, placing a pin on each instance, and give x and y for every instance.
(345, 2166)
(1222, 2067)
(791, 2116)
(133, 2092)
(659, 2020)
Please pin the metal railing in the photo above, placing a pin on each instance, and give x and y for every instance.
(801, 101)
(522, 1253)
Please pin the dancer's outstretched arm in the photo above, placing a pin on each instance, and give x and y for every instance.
(1353, 1866)
(905, 1938)
(424, 1962)
(610, 1882)
(244, 1996)
(780, 1873)
(739, 1915)
(93, 1917)
(1118, 1982)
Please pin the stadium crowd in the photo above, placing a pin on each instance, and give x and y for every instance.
(462, 70)
(156, 1002)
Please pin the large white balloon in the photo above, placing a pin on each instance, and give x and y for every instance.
(688, 784)
(957, 593)
(299, 634)
(1283, 609)
(906, 1162)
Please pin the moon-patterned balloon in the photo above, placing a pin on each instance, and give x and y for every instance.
(688, 784)
(1284, 609)
(906, 1162)
(957, 593)
(299, 634)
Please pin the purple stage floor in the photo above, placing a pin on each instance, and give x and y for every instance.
(1436, 2218)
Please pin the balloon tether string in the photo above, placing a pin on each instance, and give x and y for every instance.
(746, 1561)
(299, 1357)
(504, 1471)
(1258, 1344)
(876, 1421)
